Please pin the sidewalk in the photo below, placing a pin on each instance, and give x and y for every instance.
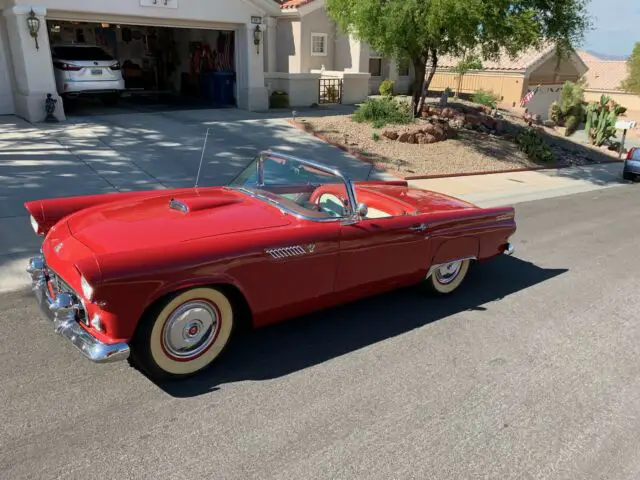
(510, 188)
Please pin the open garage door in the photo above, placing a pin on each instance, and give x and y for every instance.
(141, 67)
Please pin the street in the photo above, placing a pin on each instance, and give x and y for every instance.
(531, 371)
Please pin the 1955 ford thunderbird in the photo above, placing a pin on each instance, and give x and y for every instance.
(166, 277)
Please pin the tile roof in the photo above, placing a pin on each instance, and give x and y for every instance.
(293, 3)
(519, 64)
(588, 57)
(605, 75)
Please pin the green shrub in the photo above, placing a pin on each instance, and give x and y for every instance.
(376, 136)
(555, 113)
(386, 88)
(571, 123)
(486, 98)
(381, 111)
(279, 100)
(533, 145)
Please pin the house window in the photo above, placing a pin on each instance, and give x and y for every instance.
(319, 44)
(403, 68)
(375, 67)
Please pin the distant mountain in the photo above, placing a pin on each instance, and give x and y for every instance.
(604, 56)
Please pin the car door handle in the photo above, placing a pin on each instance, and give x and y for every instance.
(421, 227)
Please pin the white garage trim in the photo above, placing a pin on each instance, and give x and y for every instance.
(61, 15)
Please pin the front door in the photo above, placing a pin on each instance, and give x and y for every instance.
(292, 274)
(379, 253)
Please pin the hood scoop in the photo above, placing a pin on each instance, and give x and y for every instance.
(198, 203)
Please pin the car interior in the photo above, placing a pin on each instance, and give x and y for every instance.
(330, 200)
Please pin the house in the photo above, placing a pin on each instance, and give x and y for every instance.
(512, 78)
(162, 46)
(224, 53)
(604, 78)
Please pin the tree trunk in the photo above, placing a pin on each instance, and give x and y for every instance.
(459, 85)
(419, 72)
(432, 71)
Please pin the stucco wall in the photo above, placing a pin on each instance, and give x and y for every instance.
(288, 40)
(6, 87)
(317, 22)
(632, 102)
(508, 87)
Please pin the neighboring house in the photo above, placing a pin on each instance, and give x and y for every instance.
(604, 78)
(511, 79)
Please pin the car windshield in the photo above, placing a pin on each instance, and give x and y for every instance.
(81, 54)
(295, 186)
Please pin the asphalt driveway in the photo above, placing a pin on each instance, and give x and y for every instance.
(135, 151)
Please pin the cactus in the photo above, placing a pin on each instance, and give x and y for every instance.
(601, 120)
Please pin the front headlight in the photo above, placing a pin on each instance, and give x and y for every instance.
(34, 224)
(87, 289)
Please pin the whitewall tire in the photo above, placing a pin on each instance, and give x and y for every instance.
(446, 278)
(184, 334)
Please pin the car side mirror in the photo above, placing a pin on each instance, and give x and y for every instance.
(362, 210)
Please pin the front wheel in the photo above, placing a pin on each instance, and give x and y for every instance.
(183, 334)
(446, 278)
(628, 176)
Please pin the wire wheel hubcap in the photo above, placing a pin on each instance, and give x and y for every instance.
(191, 329)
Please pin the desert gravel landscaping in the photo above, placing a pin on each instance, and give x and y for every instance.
(465, 151)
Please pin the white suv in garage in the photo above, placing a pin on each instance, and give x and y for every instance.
(87, 70)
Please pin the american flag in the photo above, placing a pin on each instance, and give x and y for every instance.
(527, 98)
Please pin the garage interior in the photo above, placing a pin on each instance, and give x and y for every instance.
(163, 67)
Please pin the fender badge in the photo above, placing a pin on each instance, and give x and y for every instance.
(57, 248)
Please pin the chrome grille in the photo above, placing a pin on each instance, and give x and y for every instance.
(60, 286)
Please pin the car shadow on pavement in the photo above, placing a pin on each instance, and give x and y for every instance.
(281, 349)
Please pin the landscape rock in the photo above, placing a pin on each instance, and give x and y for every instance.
(412, 138)
(428, 138)
(403, 137)
(390, 134)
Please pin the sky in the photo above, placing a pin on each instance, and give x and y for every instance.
(616, 26)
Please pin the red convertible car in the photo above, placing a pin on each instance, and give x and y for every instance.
(166, 277)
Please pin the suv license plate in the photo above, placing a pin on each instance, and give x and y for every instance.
(96, 71)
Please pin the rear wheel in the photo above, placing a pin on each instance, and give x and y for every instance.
(183, 334)
(447, 277)
(628, 176)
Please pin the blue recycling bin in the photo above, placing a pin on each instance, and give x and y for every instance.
(224, 87)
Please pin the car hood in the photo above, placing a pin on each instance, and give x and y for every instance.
(164, 220)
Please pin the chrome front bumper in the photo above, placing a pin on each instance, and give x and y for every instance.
(63, 310)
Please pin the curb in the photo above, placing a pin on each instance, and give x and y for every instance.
(511, 170)
(363, 158)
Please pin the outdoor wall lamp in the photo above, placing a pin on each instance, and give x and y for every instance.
(33, 23)
(257, 36)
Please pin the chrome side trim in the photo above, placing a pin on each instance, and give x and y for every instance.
(63, 311)
(436, 266)
(290, 251)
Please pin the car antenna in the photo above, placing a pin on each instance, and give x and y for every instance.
(201, 158)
